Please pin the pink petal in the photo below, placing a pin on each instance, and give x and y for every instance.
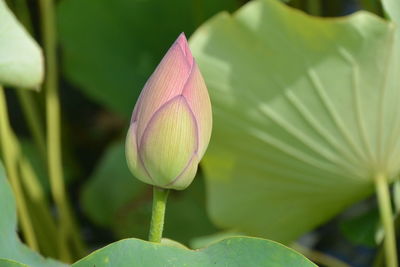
(185, 48)
(166, 82)
(196, 94)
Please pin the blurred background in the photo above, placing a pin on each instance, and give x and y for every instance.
(107, 50)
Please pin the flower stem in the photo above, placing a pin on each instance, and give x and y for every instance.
(10, 160)
(158, 212)
(385, 208)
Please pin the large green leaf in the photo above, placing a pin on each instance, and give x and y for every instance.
(233, 252)
(10, 263)
(21, 63)
(392, 8)
(111, 47)
(306, 113)
(205, 241)
(113, 198)
(11, 248)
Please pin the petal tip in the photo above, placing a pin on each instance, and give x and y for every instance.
(183, 44)
(182, 41)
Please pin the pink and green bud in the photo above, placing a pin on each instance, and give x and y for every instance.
(171, 123)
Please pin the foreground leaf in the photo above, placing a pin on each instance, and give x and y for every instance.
(10, 263)
(237, 251)
(21, 63)
(306, 114)
(11, 248)
(205, 241)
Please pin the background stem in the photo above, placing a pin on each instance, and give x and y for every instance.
(158, 213)
(37, 202)
(66, 221)
(33, 119)
(385, 209)
(39, 209)
(10, 160)
(319, 257)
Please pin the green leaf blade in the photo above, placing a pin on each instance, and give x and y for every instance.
(305, 115)
(237, 251)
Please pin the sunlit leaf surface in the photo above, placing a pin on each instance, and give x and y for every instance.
(306, 114)
(21, 63)
(392, 8)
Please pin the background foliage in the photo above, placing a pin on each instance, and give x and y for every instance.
(296, 108)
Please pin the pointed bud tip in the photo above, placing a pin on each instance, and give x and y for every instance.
(183, 44)
(181, 40)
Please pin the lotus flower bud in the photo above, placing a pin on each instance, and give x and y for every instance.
(171, 123)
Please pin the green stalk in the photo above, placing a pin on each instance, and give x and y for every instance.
(26, 97)
(38, 205)
(67, 223)
(10, 161)
(158, 213)
(38, 208)
(385, 208)
(319, 257)
(33, 119)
